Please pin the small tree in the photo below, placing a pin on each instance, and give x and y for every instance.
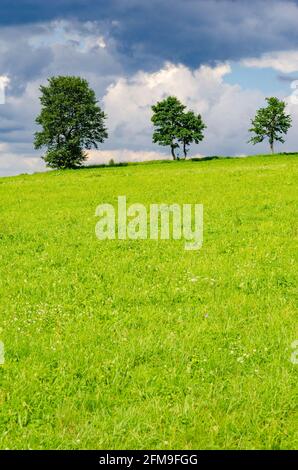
(190, 130)
(166, 117)
(174, 126)
(71, 119)
(271, 122)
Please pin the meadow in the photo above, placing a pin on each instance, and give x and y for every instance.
(142, 344)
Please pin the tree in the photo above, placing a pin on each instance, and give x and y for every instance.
(190, 130)
(270, 122)
(166, 121)
(174, 126)
(71, 119)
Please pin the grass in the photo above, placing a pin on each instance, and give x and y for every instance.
(141, 344)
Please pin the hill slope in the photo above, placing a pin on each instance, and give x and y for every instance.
(141, 344)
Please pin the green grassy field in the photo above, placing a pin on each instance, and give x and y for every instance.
(141, 344)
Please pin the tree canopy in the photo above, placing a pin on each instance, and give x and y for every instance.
(71, 119)
(190, 130)
(271, 122)
(173, 126)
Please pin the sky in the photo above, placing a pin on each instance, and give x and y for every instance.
(221, 58)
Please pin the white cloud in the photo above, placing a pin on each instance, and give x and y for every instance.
(15, 160)
(82, 36)
(283, 61)
(4, 81)
(225, 108)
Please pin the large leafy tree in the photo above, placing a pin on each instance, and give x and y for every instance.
(174, 127)
(271, 122)
(71, 119)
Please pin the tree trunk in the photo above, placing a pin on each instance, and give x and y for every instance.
(173, 152)
(272, 147)
(184, 150)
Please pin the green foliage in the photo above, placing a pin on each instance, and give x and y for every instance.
(271, 122)
(165, 120)
(70, 155)
(190, 130)
(141, 344)
(71, 119)
(174, 126)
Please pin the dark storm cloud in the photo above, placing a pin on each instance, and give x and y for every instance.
(187, 31)
(34, 51)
